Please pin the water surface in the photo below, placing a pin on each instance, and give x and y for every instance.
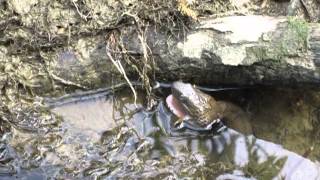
(109, 137)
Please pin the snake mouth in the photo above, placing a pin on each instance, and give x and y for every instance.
(178, 110)
(176, 107)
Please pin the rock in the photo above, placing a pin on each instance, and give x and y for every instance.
(278, 51)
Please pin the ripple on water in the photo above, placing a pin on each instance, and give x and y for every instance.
(67, 59)
(109, 137)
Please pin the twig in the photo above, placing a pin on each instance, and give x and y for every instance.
(143, 73)
(80, 14)
(119, 67)
(66, 82)
(122, 52)
(264, 3)
(295, 4)
(306, 9)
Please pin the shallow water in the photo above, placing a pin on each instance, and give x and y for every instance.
(108, 137)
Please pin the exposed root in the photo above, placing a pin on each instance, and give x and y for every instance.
(186, 10)
(264, 3)
(66, 82)
(146, 67)
(78, 11)
(120, 68)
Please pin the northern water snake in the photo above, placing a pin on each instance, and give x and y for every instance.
(189, 103)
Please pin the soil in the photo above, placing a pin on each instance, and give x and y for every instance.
(52, 48)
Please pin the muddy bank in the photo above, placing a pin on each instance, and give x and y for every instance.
(53, 47)
(48, 49)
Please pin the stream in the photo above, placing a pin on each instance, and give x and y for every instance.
(107, 136)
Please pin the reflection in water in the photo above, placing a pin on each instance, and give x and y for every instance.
(110, 138)
(92, 118)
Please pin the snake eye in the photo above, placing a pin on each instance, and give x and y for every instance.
(183, 98)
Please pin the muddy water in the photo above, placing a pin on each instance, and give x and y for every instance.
(111, 138)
